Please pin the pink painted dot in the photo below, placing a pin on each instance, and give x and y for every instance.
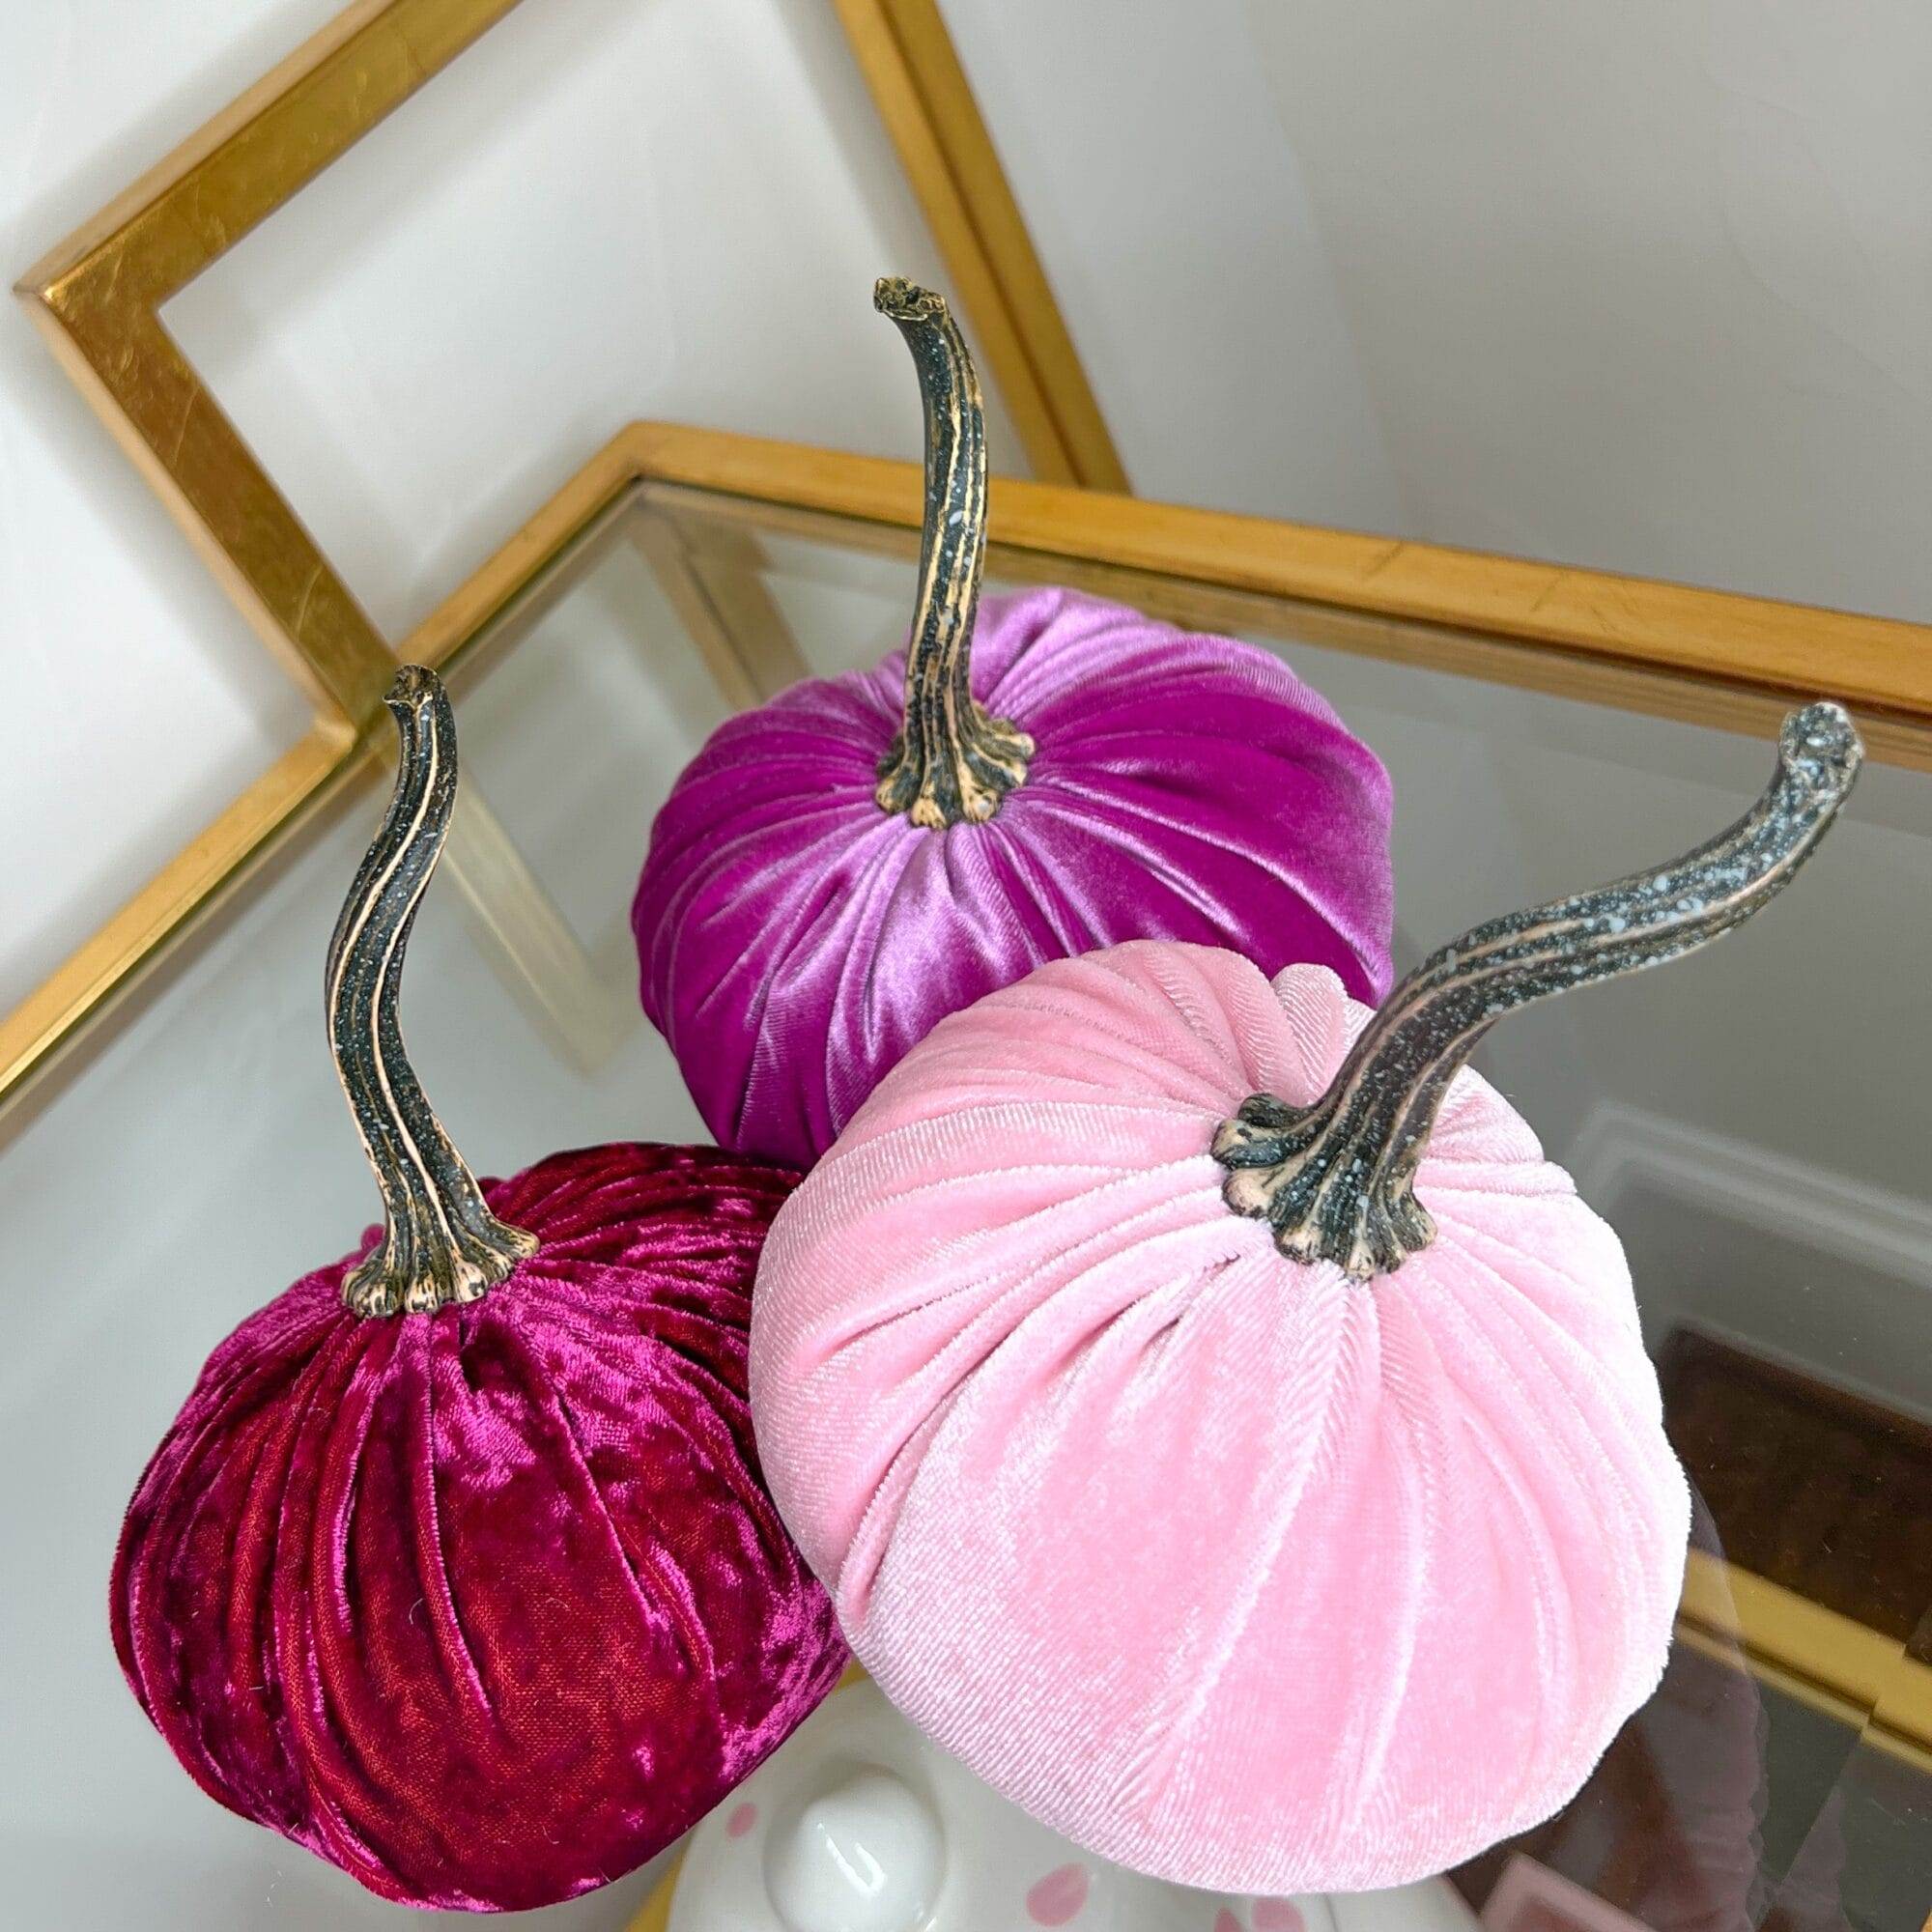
(743, 1817)
(1226, 1921)
(1277, 1914)
(1057, 1899)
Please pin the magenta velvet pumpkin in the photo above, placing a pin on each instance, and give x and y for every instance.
(457, 1566)
(1268, 1496)
(838, 870)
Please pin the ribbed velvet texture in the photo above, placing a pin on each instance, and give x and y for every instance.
(487, 1606)
(1233, 1571)
(795, 940)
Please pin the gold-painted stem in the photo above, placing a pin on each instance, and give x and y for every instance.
(951, 760)
(440, 1243)
(1337, 1178)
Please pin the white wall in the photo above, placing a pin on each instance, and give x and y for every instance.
(606, 209)
(1646, 287)
(114, 636)
(1179, 233)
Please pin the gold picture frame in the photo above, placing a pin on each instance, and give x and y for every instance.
(97, 294)
(1678, 651)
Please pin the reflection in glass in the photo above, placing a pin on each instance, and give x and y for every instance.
(1759, 1140)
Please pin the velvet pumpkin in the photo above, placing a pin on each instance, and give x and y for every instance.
(457, 1566)
(840, 869)
(1216, 1422)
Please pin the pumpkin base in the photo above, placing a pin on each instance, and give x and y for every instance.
(964, 781)
(386, 1283)
(1282, 1169)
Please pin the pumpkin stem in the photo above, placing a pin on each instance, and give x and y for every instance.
(1337, 1177)
(440, 1243)
(950, 760)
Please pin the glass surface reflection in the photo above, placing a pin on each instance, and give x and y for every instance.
(1754, 1123)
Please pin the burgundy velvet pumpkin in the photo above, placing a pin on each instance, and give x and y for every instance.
(841, 868)
(457, 1566)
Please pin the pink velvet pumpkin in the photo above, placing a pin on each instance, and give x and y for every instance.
(1216, 1422)
(457, 1566)
(838, 870)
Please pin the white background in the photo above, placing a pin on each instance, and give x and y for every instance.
(1646, 287)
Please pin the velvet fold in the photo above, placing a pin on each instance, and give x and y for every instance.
(794, 940)
(1230, 1569)
(488, 1605)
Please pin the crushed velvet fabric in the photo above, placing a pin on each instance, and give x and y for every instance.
(487, 1606)
(1231, 1570)
(795, 940)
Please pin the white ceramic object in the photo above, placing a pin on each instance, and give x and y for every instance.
(860, 1825)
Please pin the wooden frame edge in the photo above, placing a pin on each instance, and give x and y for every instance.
(96, 299)
(1596, 627)
(1881, 662)
(1859, 1677)
(36, 1035)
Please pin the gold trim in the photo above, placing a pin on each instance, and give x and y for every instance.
(1705, 656)
(1702, 655)
(1856, 1675)
(1880, 668)
(1185, 597)
(96, 299)
(913, 71)
(37, 1035)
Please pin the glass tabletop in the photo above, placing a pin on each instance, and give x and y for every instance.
(1754, 1124)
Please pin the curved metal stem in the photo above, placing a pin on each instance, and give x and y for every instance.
(951, 760)
(440, 1243)
(1336, 1178)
